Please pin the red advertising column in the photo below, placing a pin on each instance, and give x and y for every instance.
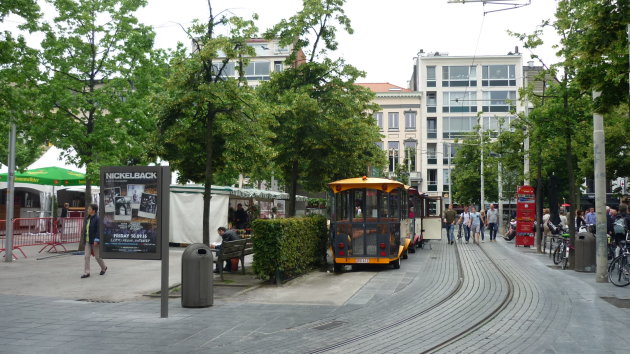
(525, 216)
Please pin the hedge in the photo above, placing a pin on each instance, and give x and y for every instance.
(286, 248)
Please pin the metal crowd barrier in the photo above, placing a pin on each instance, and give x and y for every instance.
(49, 232)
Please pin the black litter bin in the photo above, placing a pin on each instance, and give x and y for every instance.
(585, 252)
(197, 287)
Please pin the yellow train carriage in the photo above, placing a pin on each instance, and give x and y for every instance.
(369, 222)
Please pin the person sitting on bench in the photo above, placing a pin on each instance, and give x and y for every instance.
(226, 235)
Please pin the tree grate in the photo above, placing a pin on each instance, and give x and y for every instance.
(620, 303)
(330, 325)
(100, 301)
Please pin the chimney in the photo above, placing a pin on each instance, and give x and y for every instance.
(530, 63)
(516, 50)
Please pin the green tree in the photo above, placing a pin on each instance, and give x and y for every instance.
(102, 69)
(19, 76)
(325, 130)
(211, 124)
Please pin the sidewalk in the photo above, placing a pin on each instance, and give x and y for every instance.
(58, 275)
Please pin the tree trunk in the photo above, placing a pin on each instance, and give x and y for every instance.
(293, 189)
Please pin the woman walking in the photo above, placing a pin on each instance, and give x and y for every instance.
(476, 224)
(483, 224)
(465, 220)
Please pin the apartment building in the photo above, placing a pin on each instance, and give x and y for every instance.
(398, 122)
(459, 93)
(270, 57)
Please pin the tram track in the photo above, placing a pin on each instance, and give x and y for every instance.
(451, 339)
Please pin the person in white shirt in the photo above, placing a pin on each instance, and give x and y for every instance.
(465, 220)
(492, 218)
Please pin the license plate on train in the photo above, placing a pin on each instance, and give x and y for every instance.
(362, 260)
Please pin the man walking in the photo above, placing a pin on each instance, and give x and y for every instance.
(449, 220)
(492, 218)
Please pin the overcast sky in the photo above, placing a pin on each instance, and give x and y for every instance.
(387, 34)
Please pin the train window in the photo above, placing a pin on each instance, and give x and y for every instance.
(404, 202)
(384, 204)
(359, 205)
(371, 203)
(394, 204)
(433, 207)
(341, 206)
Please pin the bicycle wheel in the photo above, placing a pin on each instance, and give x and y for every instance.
(558, 252)
(619, 271)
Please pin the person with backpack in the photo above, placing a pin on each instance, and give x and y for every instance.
(621, 224)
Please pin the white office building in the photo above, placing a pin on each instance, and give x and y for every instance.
(460, 92)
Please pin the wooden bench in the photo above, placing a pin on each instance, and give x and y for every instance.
(234, 249)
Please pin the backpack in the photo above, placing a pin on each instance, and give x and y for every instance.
(619, 226)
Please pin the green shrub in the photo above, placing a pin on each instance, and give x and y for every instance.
(287, 248)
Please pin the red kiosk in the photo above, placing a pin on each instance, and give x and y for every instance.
(525, 216)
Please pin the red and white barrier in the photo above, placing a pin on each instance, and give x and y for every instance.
(49, 232)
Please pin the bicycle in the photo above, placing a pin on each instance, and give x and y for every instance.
(619, 268)
(561, 253)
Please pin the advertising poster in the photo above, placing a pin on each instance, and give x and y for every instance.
(525, 216)
(130, 222)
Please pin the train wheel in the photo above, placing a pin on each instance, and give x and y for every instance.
(396, 263)
(337, 267)
(405, 255)
(412, 249)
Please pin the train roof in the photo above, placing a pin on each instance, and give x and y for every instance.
(382, 184)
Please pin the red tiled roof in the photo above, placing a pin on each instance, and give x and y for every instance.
(383, 87)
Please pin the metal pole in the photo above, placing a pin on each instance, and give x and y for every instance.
(483, 196)
(500, 197)
(599, 155)
(8, 254)
(165, 179)
(450, 175)
(526, 146)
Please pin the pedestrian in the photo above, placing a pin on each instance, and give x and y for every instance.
(92, 241)
(591, 217)
(563, 220)
(492, 218)
(240, 217)
(482, 226)
(465, 221)
(226, 235)
(64, 214)
(450, 216)
(475, 224)
(545, 223)
(580, 223)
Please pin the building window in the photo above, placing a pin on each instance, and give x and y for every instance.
(410, 155)
(449, 149)
(446, 178)
(393, 154)
(379, 144)
(431, 102)
(499, 101)
(457, 127)
(410, 120)
(459, 102)
(431, 128)
(431, 76)
(392, 121)
(378, 117)
(494, 124)
(431, 153)
(277, 66)
(432, 180)
(228, 69)
(258, 70)
(459, 76)
(499, 75)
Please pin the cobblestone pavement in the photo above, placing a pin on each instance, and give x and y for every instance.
(449, 298)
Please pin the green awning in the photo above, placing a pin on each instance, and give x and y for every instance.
(50, 176)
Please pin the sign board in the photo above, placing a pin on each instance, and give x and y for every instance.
(525, 216)
(133, 200)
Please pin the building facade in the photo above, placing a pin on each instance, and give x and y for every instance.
(398, 121)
